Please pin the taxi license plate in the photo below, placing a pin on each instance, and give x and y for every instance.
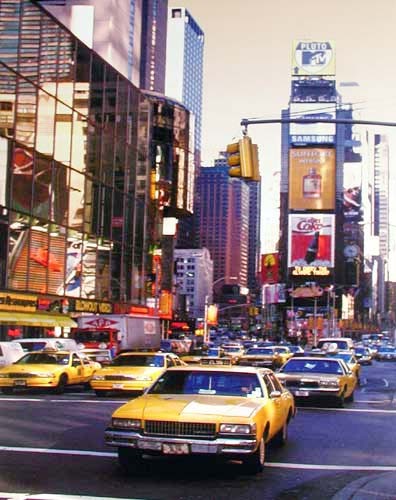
(301, 393)
(118, 386)
(20, 383)
(175, 449)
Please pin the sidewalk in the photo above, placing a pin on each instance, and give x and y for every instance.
(374, 487)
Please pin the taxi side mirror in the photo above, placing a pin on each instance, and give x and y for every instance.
(275, 394)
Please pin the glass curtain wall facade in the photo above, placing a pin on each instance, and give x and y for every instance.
(74, 165)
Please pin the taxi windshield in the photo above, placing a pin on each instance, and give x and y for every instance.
(312, 366)
(44, 358)
(258, 350)
(139, 360)
(208, 383)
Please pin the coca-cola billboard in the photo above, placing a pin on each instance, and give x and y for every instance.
(311, 240)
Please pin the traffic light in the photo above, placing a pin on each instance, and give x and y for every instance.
(243, 159)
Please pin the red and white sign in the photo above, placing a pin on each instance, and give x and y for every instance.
(149, 327)
(311, 240)
(100, 322)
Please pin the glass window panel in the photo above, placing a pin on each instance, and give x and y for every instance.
(56, 258)
(22, 179)
(103, 270)
(60, 197)
(42, 180)
(45, 121)
(63, 132)
(38, 258)
(89, 261)
(76, 199)
(26, 112)
(79, 146)
(18, 251)
(72, 285)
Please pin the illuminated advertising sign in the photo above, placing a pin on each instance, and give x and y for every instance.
(313, 58)
(312, 178)
(311, 241)
(315, 130)
(352, 195)
(269, 268)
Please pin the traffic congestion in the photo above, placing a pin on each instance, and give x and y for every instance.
(229, 398)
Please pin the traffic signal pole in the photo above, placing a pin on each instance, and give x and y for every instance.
(245, 122)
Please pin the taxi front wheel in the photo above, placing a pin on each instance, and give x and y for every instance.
(254, 463)
(130, 460)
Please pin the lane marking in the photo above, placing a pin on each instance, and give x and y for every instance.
(43, 400)
(352, 410)
(50, 496)
(385, 382)
(385, 468)
(283, 465)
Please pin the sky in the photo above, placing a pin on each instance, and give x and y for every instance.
(247, 70)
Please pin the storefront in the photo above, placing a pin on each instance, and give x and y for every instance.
(25, 315)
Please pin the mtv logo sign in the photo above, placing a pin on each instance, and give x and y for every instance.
(313, 58)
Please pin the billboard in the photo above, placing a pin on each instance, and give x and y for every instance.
(315, 130)
(312, 178)
(311, 240)
(313, 58)
(269, 268)
(352, 194)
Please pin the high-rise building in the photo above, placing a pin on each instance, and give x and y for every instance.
(224, 218)
(153, 46)
(129, 34)
(184, 82)
(184, 65)
(84, 187)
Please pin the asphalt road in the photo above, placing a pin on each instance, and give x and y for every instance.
(54, 445)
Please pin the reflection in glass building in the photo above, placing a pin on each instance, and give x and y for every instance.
(84, 183)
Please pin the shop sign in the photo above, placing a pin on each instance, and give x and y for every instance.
(17, 302)
(91, 306)
(311, 271)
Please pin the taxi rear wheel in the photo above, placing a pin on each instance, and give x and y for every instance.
(254, 462)
(130, 460)
(281, 437)
(62, 382)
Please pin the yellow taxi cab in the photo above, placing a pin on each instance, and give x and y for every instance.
(351, 360)
(48, 368)
(270, 357)
(132, 371)
(233, 351)
(319, 377)
(223, 411)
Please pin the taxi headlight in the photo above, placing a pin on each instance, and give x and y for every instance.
(98, 377)
(127, 423)
(142, 378)
(329, 383)
(237, 429)
(4, 375)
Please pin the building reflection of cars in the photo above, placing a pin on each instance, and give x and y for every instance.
(319, 377)
(132, 371)
(48, 368)
(220, 411)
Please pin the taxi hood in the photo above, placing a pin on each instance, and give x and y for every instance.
(188, 407)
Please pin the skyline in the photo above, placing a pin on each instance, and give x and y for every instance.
(248, 75)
